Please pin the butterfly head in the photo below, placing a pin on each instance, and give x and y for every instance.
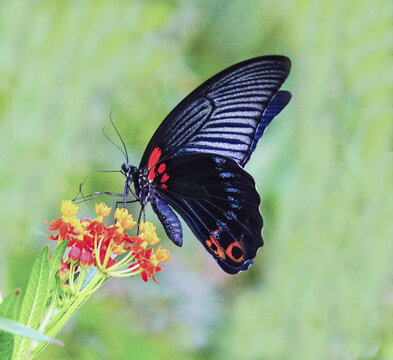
(128, 170)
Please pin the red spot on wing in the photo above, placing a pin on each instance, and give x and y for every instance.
(153, 160)
(154, 157)
(164, 178)
(161, 168)
(164, 186)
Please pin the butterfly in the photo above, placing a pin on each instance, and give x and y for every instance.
(194, 163)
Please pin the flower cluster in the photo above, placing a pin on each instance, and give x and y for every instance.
(109, 248)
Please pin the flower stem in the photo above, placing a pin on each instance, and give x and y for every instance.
(57, 323)
(80, 280)
(121, 263)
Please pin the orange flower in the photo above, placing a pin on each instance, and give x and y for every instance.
(64, 225)
(148, 261)
(93, 243)
(149, 271)
(65, 230)
(147, 267)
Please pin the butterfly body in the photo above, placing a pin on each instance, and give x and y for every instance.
(194, 162)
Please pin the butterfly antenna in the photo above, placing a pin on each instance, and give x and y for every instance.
(118, 134)
(79, 192)
(121, 150)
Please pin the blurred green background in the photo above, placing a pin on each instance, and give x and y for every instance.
(321, 287)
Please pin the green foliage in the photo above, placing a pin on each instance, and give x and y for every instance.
(120, 337)
(9, 305)
(34, 301)
(8, 308)
(6, 345)
(16, 328)
(8, 327)
(55, 260)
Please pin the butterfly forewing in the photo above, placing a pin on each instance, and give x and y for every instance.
(222, 116)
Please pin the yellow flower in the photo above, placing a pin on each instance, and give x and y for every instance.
(80, 227)
(117, 249)
(162, 254)
(147, 226)
(102, 210)
(124, 220)
(68, 209)
(148, 232)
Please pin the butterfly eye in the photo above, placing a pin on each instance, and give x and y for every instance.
(125, 168)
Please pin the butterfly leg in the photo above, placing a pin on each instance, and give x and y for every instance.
(130, 190)
(91, 172)
(127, 202)
(84, 198)
(139, 218)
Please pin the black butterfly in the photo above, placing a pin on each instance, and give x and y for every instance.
(194, 161)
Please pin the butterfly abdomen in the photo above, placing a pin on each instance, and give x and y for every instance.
(169, 220)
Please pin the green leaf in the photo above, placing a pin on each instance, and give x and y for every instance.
(6, 345)
(34, 301)
(8, 311)
(9, 305)
(19, 329)
(55, 260)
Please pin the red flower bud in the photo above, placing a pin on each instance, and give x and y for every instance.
(86, 259)
(74, 254)
(64, 270)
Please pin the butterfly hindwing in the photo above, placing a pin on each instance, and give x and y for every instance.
(218, 201)
(223, 115)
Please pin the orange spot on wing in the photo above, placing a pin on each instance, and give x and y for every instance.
(153, 160)
(240, 251)
(215, 247)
